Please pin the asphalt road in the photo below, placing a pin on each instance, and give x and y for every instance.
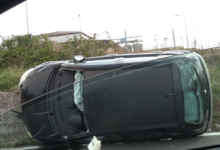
(205, 140)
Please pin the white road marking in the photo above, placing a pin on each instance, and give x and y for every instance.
(211, 134)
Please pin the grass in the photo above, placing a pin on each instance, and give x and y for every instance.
(212, 59)
(216, 115)
(214, 72)
(6, 145)
(9, 77)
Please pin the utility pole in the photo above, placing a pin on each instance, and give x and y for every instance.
(126, 41)
(156, 41)
(27, 18)
(186, 30)
(174, 40)
(80, 24)
(165, 42)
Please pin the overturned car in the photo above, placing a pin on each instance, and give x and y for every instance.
(117, 97)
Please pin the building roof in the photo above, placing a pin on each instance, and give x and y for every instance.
(59, 33)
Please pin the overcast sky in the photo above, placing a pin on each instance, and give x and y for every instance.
(151, 19)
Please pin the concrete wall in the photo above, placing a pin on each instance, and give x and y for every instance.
(12, 129)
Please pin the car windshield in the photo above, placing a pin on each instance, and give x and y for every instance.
(104, 75)
(192, 91)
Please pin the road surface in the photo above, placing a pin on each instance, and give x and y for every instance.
(205, 140)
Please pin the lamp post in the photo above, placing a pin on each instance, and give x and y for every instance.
(165, 42)
(156, 41)
(80, 24)
(186, 30)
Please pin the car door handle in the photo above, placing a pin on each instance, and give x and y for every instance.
(168, 95)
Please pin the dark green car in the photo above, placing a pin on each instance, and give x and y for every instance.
(118, 97)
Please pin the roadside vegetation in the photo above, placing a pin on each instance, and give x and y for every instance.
(212, 58)
(214, 72)
(10, 76)
(28, 51)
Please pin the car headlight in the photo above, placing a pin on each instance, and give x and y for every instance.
(23, 77)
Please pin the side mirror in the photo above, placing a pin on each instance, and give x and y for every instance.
(78, 58)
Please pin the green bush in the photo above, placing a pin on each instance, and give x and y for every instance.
(9, 77)
(29, 51)
(25, 51)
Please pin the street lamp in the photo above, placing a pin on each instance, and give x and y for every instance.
(80, 24)
(186, 30)
(165, 42)
(156, 41)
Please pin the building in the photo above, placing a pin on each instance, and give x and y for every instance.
(131, 44)
(137, 47)
(60, 37)
(64, 36)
